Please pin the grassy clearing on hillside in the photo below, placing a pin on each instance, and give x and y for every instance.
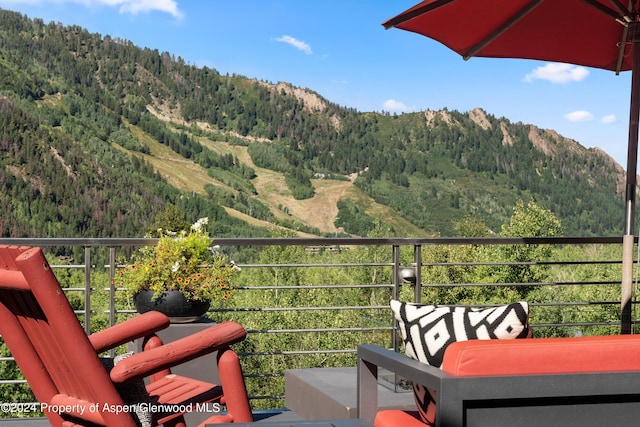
(181, 173)
(319, 212)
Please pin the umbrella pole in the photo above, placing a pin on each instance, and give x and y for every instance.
(627, 283)
(630, 198)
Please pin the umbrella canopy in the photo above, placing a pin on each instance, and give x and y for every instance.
(585, 32)
(594, 33)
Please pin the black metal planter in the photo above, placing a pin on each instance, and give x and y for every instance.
(173, 304)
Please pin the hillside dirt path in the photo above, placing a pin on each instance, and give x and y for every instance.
(320, 211)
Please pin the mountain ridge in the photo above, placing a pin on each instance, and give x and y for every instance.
(98, 115)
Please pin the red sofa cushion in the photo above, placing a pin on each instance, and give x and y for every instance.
(543, 356)
(397, 418)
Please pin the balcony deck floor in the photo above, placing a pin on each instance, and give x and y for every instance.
(259, 416)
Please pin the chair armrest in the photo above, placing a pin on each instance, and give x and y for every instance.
(370, 357)
(148, 362)
(402, 365)
(129, 330)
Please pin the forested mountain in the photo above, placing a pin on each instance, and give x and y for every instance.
(98, 135)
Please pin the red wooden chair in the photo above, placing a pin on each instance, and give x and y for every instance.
(62, 367)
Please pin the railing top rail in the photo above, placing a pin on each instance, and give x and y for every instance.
(319, 241)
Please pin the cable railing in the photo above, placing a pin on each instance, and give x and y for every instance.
(339, 294)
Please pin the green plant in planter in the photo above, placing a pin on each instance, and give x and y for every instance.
(184, 261)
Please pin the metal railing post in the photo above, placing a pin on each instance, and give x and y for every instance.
(112, 286)
(87, 289)
(396, 294)
(417, 262)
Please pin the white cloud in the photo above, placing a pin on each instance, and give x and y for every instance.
(611, 118)
(579, 116)
(558, 73)
(124, 6)
(392, 105)
(298, 44)
(136, 6)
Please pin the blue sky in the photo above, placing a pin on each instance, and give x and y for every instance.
(339, 49)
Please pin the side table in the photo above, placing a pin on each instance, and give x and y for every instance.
(204, 368)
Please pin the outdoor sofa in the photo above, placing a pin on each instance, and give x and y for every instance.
(581, 381)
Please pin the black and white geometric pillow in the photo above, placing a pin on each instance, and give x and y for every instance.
(427, 331)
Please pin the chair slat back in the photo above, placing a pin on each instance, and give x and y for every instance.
(46, 339)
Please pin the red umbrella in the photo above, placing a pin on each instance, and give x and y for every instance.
(594, 33)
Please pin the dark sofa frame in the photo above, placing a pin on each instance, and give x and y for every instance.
(573, 399)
